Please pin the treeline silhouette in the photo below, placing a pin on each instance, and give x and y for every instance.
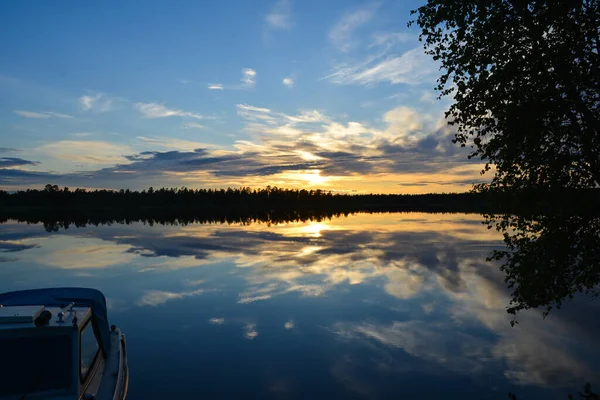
(56, 220)
(58, 208)
(61, 207)
(269, 198)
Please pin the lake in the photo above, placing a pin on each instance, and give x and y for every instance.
(378, 306)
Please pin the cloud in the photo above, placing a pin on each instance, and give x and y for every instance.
(387, 57)
(83, 253)
(247, 300)
(87, 102)
(467, 333)
(391, 38)
(9, 150)
(289, 324)
(541, 355)
(192, 125)
(250, 331)
(265, 115)
(330, 253)
(308, 148)
(404, 120)
(428, 97)
(15, 178)
(42, 115)
(86, 152)
(248, 77)
(173, 143)
(247, 107)
(412, 67)
(538, 358)
(15, 246)
(534, 354)
(98, 102)
(155, 110)
(280, 16)
(59, 115)
(248, 80)
(157, 297)
(31, 114)
(341, 33)
(432, 342)
(9, 162)
(289, 82)
(406, 128)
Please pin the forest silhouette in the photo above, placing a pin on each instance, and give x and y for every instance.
(61, 207)
(58, 208)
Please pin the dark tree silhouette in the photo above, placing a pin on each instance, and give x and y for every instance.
(525, 81)
(57, 207)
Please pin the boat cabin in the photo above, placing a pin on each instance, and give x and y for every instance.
(56, 352)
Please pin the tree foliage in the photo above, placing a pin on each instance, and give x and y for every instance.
(525, 78)
(525, 81)
(549, 258)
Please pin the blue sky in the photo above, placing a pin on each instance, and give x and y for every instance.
(336, 95)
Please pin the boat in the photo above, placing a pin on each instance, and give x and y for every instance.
(56, 344)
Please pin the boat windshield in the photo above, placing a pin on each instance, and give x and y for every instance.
(34, 364)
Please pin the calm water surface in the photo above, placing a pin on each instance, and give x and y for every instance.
(390, 306)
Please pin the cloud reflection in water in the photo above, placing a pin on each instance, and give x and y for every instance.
(431, 294)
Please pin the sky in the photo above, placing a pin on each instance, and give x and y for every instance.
(337, 95)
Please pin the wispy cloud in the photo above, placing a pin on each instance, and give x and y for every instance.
(11, 162)
(42, 115)
(192, 125)
(247, 107)
(31, 114)
(264, 120)
(383, 57)
(98, 102)
(289, 150)
(289, 82)
(247, 300)
(86, 152)
(158, 297)
(280, 16)
(390, 38)
(155, 110)
(248, 77)
(341, 33)
(411, 67)
(59, 115)
(248, 80)
(173, 143)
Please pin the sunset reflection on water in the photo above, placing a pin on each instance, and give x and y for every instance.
(365, 306)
